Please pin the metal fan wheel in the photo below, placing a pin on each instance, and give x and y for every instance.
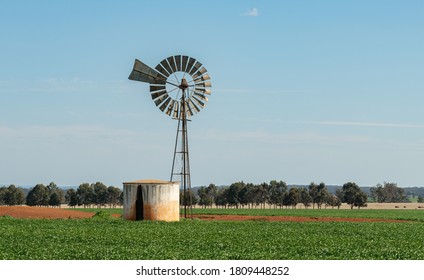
(178, 75)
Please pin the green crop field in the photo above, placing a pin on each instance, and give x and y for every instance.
(115, 238)
(395, 214)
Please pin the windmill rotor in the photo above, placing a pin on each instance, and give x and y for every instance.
(172, 78)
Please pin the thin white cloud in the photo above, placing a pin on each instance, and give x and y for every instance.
(48, 85)
(55, 85)
(263, 137)
(73, 135)
(329, 123)
(363, 124)
(262, 92)
(252, 13)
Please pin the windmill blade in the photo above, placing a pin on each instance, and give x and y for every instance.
(198, 102)
(144, 73)
(201, 96)
(184, 63)
(200, 72)
(159, 100)
(176, 110)
(195, 68)
(190, 64)
(162, 70)
(158, 94)
(157, 88)
(203, 90)
(165, 104)
(170, 108)
(165, 65)
(177, 59)
(188, 109)
(203, 84)
(192, 105)
(172, 64)
(202, 78)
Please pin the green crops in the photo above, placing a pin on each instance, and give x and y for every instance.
(114, 239)
(399, 214)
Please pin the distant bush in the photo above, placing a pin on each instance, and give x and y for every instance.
(101, 215)
(6, 217)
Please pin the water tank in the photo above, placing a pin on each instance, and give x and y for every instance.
(152, 200)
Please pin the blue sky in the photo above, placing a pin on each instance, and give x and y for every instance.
(302, 91)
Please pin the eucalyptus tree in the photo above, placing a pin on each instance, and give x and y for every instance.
(319, 194)
(262, 195)
(212, 191)
(333, 201)
(352, 195)
(204, 198)
(221, 198)
(207, 195)
(276, 192)
(250, 195)
(100, 194)
(3, 191)
(388, 192)
(234, 193)
(293, 197)
(11, 195)
(305, 198)
(113, 194)
(56, 195)
(71, 198)
(38, 196)
(187, 200)
(85, 195)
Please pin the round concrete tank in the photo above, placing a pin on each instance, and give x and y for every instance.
(152, 200)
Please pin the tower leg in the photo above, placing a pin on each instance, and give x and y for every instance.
(182, 137)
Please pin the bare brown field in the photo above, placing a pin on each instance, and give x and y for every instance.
(42, 213)
(57, 213)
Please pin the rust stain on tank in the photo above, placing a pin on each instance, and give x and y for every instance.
(164, 212)
(151, 200)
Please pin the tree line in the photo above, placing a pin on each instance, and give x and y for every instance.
(278, 194)
(86, 195)
(97, 194)
(238, 194)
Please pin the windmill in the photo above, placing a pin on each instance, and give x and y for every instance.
(179, 86)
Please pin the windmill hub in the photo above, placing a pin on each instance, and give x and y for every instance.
(184, 84)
